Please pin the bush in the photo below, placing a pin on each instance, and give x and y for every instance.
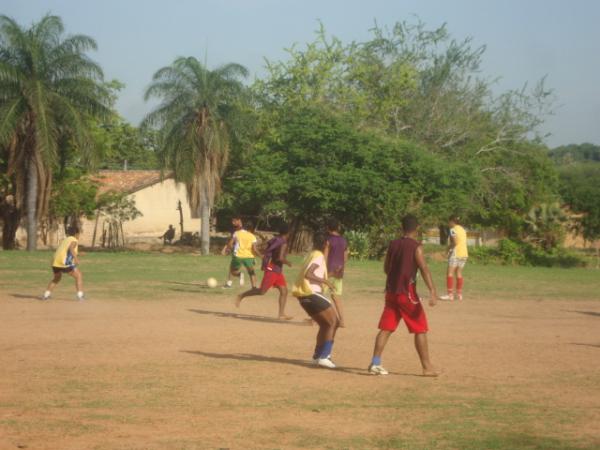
(358, 243)
(484, 255)
(511, 252)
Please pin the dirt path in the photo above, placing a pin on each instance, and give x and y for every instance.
(193, 373)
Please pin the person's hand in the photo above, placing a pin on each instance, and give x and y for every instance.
(433, 298)
(224, 251)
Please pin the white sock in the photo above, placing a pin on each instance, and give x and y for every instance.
(229, 283)
(79, 294)
(46, 294)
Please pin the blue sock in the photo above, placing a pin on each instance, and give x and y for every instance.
(326, 349)
(317, 351)
(376, 361)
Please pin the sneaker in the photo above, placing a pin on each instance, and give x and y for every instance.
(448, 297)
(377, 370)
(241, 279)
(228, 285)
(45, 297)
(325, 362)
(459, 297)
(81, 298)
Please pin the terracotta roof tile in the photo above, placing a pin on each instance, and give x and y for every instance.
(127, 181)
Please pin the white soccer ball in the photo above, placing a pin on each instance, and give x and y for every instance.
(211, 282)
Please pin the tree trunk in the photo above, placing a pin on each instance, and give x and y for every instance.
(443, 229)
(10, 223)
(205, 228)
(32, 191)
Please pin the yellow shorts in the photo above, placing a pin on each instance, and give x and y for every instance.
(337, 286)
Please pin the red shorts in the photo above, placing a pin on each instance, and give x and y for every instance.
(271, 279)
(397, 307)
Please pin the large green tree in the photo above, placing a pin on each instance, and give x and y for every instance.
(49, 87)
(196, 119)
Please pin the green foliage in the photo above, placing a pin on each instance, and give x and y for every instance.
(319, 165)
(546, 225)
(510, 252)
(580, 189)
(573, 153)
(73, 196)
(117, 208)
(49, 87)
(358, 243)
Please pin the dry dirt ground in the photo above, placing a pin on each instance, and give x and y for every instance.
(193, 372)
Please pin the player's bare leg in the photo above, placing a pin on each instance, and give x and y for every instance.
(76, 273)
(282, 301)
(380, 342)
(327, 321)
(423, 350)
(248, 293)
(55, 280)
(337, 301)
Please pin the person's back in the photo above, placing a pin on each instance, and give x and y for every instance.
(336, 255)
(402, 267)
(243, 241)
(459, 235)
(272, 260)
(64, 257)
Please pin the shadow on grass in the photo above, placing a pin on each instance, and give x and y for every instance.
(263, 319)
(188, 283)
(30, 297)
(585, 345)
(587, 313)
(271, 359)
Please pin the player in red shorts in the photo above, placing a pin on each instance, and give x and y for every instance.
(273, 260)
(404, 257)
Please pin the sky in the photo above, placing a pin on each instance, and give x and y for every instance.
(525, 40)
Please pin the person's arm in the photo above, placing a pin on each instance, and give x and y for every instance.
(326, 251)
(310, 276)
(255, 250)
(227, 247)
(283, 255)
(451, 242)
(426, 274)
(73, 250)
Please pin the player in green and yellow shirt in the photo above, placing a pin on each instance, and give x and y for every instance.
(242, 246)
(66, 260)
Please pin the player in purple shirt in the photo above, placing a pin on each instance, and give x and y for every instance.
(336, 254)
(275, 256)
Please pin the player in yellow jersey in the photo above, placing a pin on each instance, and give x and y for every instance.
(66, 260)
(457, 258)
(242, 246)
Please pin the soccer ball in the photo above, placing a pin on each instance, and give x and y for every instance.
(211, 282)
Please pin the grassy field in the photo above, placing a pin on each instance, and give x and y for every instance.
(154, 360)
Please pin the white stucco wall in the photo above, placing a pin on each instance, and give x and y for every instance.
(158, 204)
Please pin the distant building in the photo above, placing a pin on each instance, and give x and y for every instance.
(155, 198)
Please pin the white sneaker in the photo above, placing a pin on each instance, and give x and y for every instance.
(326, 362)
(45, 297)
(241, 279)
(448, 297)
(377, 370)
(228, 284)
(81, 298)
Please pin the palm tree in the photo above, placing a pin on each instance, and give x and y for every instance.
(48, 90)
(196, 120)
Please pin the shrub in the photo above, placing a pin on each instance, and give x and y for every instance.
(358, 243)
